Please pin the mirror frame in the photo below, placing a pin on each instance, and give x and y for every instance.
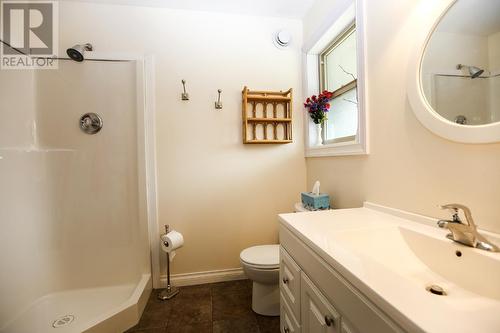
(428, 18)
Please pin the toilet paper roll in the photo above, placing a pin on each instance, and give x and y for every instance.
(171, 241)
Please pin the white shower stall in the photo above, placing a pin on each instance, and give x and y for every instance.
(75, 208)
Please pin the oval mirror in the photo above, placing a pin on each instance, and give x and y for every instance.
(458, 73)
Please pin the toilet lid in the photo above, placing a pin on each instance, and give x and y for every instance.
(261, 255)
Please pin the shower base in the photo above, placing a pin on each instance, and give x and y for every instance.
(94, 310)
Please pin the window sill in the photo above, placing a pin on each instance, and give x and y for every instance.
(336, 149)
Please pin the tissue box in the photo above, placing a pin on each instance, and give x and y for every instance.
(312, 201)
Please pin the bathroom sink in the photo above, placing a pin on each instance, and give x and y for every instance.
(427, 259)
(405, 264)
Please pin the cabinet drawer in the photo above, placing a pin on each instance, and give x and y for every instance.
(318, 315)
(290, 282)
(288, 322)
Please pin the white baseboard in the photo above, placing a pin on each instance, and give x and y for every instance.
(190, 279)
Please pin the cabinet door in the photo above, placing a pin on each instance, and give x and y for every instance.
(346, 327)
(317, 314)
(288, 323)
(290, 282)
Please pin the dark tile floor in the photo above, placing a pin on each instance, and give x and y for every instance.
(208, 308)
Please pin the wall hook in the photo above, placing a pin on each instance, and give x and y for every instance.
(184, 95)
(218, 104)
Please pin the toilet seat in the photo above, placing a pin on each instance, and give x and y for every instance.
(262, 257)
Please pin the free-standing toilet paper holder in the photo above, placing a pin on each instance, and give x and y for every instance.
(170, 291)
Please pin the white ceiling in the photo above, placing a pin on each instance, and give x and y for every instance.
(274, 8)
(475, 17)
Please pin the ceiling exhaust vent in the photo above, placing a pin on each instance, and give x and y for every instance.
(282, 39)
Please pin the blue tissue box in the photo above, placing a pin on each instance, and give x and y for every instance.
(314, 202)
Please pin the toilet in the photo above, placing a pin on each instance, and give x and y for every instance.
(261, 264)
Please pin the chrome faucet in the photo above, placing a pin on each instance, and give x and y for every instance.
(466, 234)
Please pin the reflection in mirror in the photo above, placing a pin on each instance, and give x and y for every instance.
(461, 65)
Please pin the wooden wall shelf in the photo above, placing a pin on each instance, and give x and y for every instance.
(267, 117)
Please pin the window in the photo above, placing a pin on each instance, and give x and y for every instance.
(335, 61)
(338, 73)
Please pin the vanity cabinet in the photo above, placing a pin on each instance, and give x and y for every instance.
(315, 298)
(317, 314)
(345, 327)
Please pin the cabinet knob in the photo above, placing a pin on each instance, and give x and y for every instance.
(286, 329)
(329, 321)
(285, 280)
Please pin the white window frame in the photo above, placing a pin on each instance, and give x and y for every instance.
(340, 91)
(345, 14)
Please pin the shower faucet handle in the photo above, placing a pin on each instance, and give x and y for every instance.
(91, 123)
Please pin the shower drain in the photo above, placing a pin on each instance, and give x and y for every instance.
(63, 321)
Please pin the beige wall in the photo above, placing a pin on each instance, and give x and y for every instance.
(222, 195)
(408, 167)
(316, 18)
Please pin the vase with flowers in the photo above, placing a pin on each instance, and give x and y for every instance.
(317, 107)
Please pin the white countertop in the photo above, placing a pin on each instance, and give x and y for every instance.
(391, 256)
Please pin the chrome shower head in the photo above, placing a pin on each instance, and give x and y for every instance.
(474, 71)
(76, 52)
